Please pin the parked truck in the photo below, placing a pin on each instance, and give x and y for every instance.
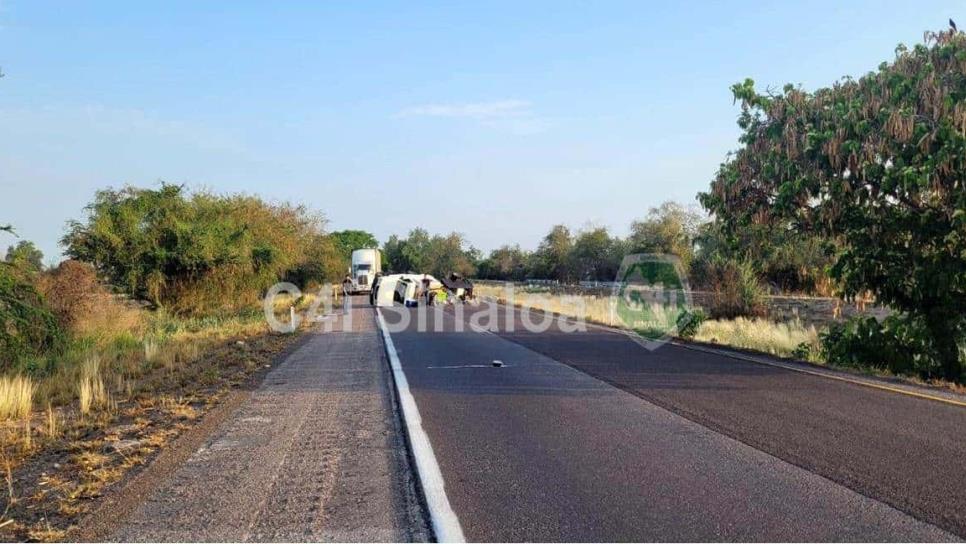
(366, 263)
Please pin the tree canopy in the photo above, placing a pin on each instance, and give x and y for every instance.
(875, 164)
(347, 241)
(25, 255)
(192, 251)
(670, 229)
(438, 255)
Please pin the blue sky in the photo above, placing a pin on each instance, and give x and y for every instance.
(508, 117)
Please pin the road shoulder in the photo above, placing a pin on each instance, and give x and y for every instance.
(314, 453)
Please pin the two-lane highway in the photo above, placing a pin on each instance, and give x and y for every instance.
(588, 436)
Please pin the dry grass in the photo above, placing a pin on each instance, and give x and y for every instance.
(91, 392)
(758, 334)
(16, 397)
(592, 308)
(151, 349)
(110, 401)
(52, 422)
(763, 335)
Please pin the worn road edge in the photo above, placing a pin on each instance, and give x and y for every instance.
(445, 523)
(128, 494)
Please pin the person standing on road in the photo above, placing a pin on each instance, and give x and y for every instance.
(346, 290)
(373, 289)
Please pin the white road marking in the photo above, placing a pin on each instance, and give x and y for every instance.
(446, 525)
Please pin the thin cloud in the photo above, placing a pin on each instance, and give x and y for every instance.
(480, 111)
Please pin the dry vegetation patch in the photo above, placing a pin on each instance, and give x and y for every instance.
(108, 407)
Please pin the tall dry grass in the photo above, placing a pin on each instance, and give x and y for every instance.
(91, 392)
(599, 309)
(593, 308)
(16, 396)
(782, 339)
(758, 334)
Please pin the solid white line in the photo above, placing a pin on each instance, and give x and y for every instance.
(446, 525)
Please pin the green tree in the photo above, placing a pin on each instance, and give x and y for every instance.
(437, 255)
(26, 256)
(347, 241)
(878, 165)
(392, 255)
(505, 263)
(596, 255)
(27, 325)
(446, 254)
(192, 253)
(670, 229)
(415, 251)
(552, 259)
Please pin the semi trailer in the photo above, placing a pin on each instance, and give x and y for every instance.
(365, 264)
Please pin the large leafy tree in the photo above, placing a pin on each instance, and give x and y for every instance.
(670, 228)
(877, 164)
(596, 255)
(448, 254)
(415, 251)
(505, 263)
(348, 241)
(437, 255)
(392, 255)
(552, 258)
(27, 326)
(192, 252)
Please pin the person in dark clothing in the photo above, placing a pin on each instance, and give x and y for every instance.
(375, 287)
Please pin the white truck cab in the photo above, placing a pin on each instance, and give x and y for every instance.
(366, 263)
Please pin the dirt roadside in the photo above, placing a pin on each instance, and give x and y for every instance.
(125, 496)
(314, 453)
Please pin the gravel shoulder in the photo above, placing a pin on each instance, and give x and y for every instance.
(313, 454)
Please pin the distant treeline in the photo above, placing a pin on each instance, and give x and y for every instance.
(787, 262)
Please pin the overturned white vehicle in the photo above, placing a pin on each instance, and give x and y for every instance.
(408, 289)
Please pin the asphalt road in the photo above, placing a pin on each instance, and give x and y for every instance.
(589, 436)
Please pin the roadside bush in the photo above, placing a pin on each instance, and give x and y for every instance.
(83, 305)
(735, 289)
(803, 351)
(194, 253)
(899, 344)
(27, 326)
(690, 322)
(323, 262)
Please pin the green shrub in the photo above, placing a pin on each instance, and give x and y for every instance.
(899, 344)
(735, 289)
(193, 253)
(802, 351)
(27, 326)
(689, 322)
